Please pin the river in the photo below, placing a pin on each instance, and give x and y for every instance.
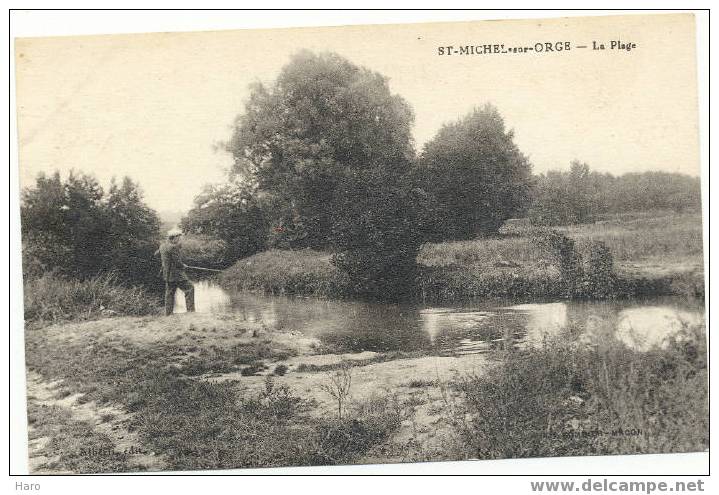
(474, 327)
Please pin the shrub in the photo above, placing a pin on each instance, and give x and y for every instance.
(378, 230)
(74, 228)
(280, 370)
(565, 254)
(600, 280)
(338, 385)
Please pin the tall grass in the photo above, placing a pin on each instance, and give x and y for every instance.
(510, 251)
(302, 272)
(567, 399)
(51, 298)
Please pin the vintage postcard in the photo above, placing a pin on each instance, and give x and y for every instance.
(362, 245)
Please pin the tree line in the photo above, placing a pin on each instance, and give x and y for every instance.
(580, 195)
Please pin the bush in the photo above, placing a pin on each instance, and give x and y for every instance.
(200, 425)
(599, 280)
(379, 228)
(566, 257)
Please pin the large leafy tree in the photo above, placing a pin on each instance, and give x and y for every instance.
(477, 174)
(323, 118)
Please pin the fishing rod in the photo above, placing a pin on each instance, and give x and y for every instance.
(204, 269)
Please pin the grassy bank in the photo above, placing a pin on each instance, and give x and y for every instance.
(656, 254)
(50, 299)
(566, 399)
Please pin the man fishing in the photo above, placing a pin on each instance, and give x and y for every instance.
(173, 272)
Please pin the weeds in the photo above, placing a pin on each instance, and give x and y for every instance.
(73, 445)
(280, 370)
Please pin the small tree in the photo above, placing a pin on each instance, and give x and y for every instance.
(338, 386)
(134, 231)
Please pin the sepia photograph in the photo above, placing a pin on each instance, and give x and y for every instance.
(362, 244)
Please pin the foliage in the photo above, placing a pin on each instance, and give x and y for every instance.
(321, 118)
(566, 257)
(204, 251)
(132, 235)
(298, 272)
(476, 173)
(77, 230)
(599, 281)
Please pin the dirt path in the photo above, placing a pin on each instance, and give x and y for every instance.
(109, 421)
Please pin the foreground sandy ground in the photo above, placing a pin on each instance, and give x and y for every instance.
(417, 381)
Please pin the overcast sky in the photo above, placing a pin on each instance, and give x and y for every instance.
(154, 106)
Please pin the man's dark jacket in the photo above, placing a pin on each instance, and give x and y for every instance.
(173, 269)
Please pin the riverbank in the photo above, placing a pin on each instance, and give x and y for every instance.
(653, 255)
(203, 391)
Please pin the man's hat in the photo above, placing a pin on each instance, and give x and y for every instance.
(173, 232)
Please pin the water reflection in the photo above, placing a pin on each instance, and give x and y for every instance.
(637, 327)
(209, 298)
(351, 326)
